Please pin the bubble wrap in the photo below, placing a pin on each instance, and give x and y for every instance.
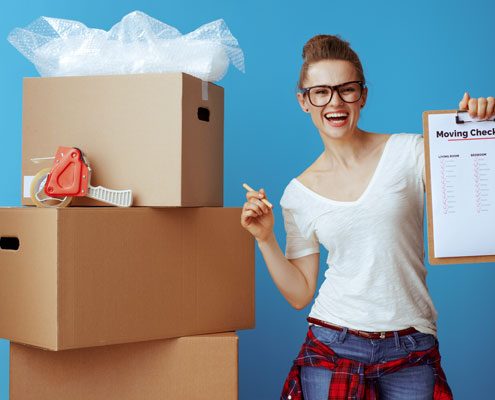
(137, 44)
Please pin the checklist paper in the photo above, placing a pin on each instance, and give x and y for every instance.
(462, 171)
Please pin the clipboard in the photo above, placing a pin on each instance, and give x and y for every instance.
(433, 138)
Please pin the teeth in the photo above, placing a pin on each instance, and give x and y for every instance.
(334, 115)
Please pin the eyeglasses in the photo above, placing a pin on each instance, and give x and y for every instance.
(320, 96)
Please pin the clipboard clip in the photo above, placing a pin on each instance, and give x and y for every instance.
(462, 116)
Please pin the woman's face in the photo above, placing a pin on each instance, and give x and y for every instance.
(337, 119)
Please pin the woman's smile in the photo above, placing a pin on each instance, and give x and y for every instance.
(336, 119)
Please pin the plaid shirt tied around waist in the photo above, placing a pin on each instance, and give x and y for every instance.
(356, 380)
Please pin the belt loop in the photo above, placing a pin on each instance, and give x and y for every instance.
(342, 335)
(397, 340)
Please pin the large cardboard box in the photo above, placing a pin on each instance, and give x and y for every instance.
(188, 368)
(160, 135)
(93, 276)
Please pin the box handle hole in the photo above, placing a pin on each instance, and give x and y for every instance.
(203, 114)
(9, 243)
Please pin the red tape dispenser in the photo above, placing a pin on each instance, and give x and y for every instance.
(70, 177)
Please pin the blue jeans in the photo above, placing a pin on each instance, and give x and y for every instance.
(414, 383)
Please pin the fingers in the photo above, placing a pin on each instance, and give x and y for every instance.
(255, 206)
(472, 107)
(258, 212)
(247, 216)
(490, 107)
(265, 202)
(248, 213)
(252, 194)
(463, 104)
(480, 108)
(252, 210)
(260, 207)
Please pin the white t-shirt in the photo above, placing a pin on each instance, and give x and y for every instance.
(375, 279)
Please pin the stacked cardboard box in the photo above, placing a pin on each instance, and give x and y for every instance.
(81, 286)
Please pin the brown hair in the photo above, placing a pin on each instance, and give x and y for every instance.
(328, 47)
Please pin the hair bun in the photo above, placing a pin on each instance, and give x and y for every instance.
(328, 47)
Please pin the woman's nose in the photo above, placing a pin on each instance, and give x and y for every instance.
(335, 100)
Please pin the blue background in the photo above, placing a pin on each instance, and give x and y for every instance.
(417, 56)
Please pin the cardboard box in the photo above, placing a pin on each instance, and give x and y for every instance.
(93, 276)
(188, 368)
(160, 135)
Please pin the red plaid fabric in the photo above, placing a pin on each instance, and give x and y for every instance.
(356, 380)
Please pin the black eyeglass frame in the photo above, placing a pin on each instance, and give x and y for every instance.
(334, 89)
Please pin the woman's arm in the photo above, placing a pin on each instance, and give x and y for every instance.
(296, 279)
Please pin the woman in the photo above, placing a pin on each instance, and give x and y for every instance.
(363, 200)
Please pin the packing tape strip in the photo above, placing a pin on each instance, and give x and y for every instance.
(37, 160)
(204, 90)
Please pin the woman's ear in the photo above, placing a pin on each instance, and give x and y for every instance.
(364, 96)
(302, 102)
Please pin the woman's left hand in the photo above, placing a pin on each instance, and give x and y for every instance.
(482, 107)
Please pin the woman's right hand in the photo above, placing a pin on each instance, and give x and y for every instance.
(257, 217)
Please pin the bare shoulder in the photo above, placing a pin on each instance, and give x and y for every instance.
(309, 177)
(379, 138)
(376, 143)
